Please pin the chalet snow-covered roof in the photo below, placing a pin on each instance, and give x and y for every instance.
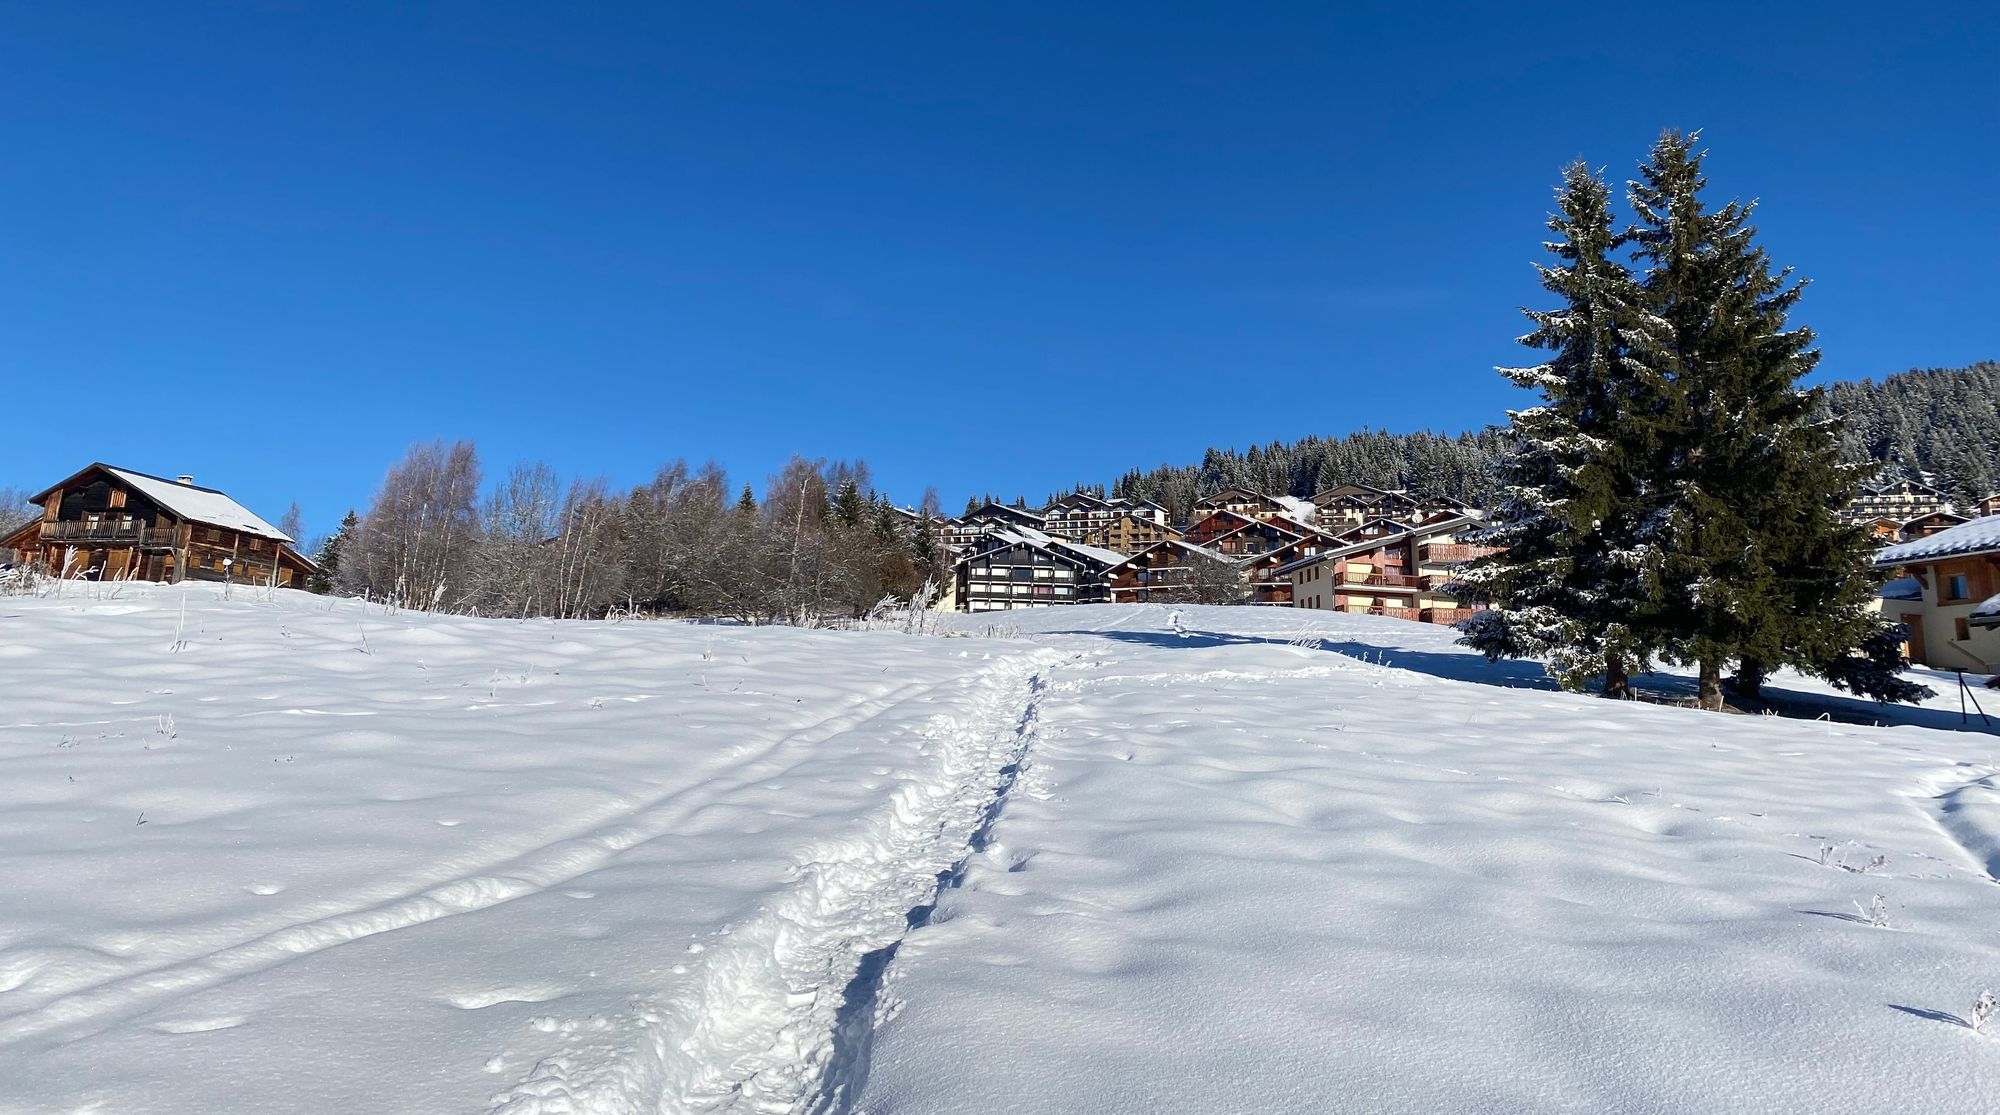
(1075, 499)
(1001, 511)
(185, 501)
(1988, 612)
(1340, 491)
(1177, 544)
(1218, 498)
(1980, 536)
(1094, 553)
(1007, 537)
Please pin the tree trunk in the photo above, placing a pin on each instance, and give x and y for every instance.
(1617, 684)
(1711, 685)
(1749, 680)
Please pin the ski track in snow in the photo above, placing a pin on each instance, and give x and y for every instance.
(73, 1012)
(770, 1028)
(1969, 814)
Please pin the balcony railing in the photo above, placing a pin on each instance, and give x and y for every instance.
(1395, 613)
(131, 534)
(1456, 551)
(1447, 615)
(1378, 580)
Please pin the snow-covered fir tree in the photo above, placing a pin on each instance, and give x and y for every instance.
(1571, 586)
(1754, 564)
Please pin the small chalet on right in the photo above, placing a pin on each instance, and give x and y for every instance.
(1953, 607)
(109, 523)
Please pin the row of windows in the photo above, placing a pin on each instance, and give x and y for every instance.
(1004, 588)
(1024, 572)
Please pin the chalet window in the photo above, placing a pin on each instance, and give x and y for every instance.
(1961, 631)
(1956, 588)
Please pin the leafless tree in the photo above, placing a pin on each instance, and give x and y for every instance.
(418, 545)
(521, 518)
(292, 524)
(1201, 578)
(15, 508)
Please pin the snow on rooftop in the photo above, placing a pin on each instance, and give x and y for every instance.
(1094, 553)
(1301, 509)
(201, 505)
(1976, 537)
(1989, 609)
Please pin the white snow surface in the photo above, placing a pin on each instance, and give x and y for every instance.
(278, 853)
(200, 505)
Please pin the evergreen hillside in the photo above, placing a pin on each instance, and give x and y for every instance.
(1940, 423)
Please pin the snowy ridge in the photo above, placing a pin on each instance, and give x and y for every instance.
(762, 1032)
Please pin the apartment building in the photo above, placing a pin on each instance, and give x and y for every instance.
(1404, 573)
(1020, 567)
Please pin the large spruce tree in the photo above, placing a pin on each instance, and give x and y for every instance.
(1572, 585)
(1755, 566)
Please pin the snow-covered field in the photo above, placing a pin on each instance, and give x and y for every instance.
(289, 854)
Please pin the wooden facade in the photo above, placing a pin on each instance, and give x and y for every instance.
(1247, 502)
(106, 523)
(1128, 534)
(1173, 572)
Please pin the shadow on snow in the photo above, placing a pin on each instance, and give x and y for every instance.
(1473, 668)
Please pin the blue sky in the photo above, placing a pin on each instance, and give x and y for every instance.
(273, 244)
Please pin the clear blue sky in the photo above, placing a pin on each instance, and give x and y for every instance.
(273, 244)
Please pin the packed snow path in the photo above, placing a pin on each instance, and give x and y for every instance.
(284, 854)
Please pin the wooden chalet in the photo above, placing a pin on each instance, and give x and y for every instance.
(1923, 526)
(107, 523)
(1172, 571)
(1255, 536)
(1247, 502)
(1953, 612)
(1990, 505)
(1884, 529)
(1356, 503)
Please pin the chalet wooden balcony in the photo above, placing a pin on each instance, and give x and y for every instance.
(1456, 551)
(1448, 615)
(124, 534)
(1377, 580)
(1439, 580)
(1396, 613)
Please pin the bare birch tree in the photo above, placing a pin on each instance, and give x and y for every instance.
(418, 545)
